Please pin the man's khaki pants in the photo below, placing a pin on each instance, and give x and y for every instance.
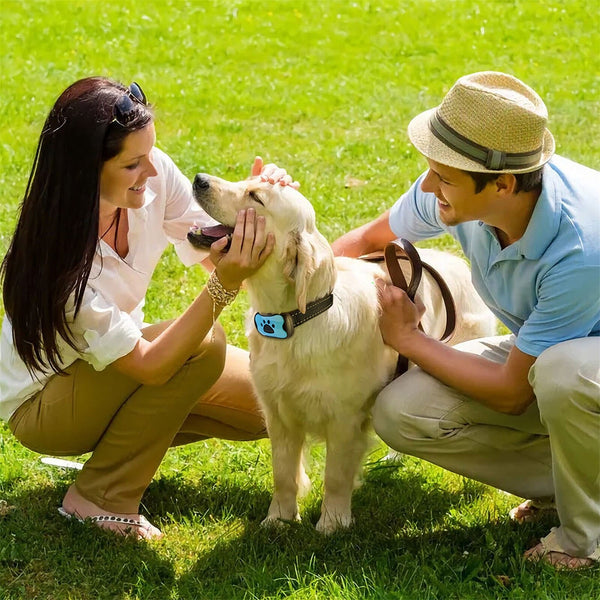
(128, 427)
(551, 450)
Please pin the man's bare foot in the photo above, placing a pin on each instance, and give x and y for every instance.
(530, 511)
(559, 560)
(550, 551)
(76, 505)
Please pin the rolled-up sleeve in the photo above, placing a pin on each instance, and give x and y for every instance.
(102, 331)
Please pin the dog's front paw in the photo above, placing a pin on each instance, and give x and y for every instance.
(281, 512)
(329, 523)
(274, 521)
(271, 522)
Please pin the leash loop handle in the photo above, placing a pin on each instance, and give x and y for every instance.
(409, 252)
(404, 250)
(393, 266)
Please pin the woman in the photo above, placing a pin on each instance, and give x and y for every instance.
(80, 371)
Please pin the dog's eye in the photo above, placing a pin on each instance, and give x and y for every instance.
(255, 197)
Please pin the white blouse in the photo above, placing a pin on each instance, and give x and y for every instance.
(109, 322)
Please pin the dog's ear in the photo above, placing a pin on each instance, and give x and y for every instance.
(299, 265)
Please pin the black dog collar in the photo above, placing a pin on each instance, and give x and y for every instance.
(282, 325)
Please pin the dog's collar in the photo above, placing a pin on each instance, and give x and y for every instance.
(282, 325)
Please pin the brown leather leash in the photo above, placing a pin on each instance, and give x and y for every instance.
(404, 250)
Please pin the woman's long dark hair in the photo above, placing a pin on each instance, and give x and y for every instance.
(50, 256)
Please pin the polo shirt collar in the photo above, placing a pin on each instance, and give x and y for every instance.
(543, 225)
(545, 219)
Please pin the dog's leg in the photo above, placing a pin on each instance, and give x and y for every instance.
(346, 445)
(289, 476)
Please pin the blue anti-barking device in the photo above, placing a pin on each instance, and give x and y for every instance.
(282, 325)
(273, 326)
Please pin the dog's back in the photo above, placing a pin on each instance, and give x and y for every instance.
(473, 318)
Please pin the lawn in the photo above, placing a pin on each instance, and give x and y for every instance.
(325, 89)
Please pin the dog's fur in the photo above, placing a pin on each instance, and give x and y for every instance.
(324, 379)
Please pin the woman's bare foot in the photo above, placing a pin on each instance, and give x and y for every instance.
(76, 505)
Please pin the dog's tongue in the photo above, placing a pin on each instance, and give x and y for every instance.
(216, 231)
(205, 236)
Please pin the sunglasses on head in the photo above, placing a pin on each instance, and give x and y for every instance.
(125, 106)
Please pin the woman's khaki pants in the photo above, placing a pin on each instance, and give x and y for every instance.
(128, 427)
(551, 450)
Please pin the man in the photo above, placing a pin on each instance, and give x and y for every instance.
(518, 412)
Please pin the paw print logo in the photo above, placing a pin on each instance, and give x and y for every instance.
(267, 326)
(272, 326)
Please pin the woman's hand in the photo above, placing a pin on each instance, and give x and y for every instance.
(399, 320)
(250, 247)
(272, 173)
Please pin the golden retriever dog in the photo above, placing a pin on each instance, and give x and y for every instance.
(321, 375)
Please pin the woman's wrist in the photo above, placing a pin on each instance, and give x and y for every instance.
(220, 294)
(230, 284)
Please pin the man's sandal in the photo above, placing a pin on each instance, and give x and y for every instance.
(549, 550)
(532, 510)
(142, 523)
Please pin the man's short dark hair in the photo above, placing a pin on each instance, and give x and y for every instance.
(526, 182)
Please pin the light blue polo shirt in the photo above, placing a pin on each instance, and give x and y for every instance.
(545, 287)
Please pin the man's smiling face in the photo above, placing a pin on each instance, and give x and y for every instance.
(455, 191)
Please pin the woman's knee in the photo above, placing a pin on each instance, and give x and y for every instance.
(200, 372)
(211, 351)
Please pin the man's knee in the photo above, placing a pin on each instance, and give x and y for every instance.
(566, 371)
(398, 415)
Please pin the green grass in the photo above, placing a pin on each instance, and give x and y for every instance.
(325, 89)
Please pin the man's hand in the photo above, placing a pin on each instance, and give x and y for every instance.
(400, 317)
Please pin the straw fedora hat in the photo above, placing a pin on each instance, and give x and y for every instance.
(488, 122)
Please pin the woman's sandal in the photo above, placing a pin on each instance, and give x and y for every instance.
(532, 510)
(549, 550)
(142, 523)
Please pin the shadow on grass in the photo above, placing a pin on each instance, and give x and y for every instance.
(175, 498)
(43, 555)
(402, 545)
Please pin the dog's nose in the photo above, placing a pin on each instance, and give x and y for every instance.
(201, 183)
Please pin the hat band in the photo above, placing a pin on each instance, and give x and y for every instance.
(494, 160)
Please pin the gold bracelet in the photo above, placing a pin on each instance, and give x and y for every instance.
(218, 293)
(220, 296)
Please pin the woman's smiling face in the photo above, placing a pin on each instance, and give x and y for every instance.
(123, 177)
